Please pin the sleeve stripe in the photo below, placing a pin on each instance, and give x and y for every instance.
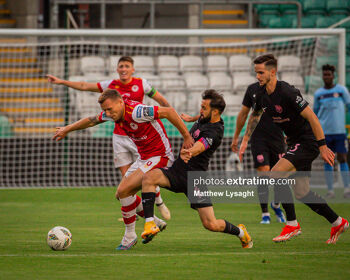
(152, 92)
(99, 87)
(204, 142)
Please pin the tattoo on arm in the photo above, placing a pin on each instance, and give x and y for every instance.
(94, 120)
(253, 122)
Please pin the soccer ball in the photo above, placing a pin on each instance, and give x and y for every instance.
(59, 238)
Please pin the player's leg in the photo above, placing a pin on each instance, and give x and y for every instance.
(210, 222)
(150, 182)
(263, 193)
(340, 149)
(124, 152)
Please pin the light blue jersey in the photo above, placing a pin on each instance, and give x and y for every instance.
(329, 106)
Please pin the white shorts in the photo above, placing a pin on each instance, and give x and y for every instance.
(124, 151)
(149, 164)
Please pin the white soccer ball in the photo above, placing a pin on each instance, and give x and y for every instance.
(59, 238)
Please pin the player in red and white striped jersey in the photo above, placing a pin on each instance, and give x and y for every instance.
(141, 123)
(124, 149)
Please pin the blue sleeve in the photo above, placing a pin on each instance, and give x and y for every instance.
(346, 97)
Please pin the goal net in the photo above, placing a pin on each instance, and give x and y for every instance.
(180, 66)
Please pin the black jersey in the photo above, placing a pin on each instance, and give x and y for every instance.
(284, 106)
(210, 134)
(266, 129)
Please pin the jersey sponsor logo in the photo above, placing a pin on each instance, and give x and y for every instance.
(300, 101)
(135, 88)
(210, 141)
(138, 138)
(278, 109)
(196, 133)
(126, 95)
(280, 120)
(134, 126)
(148, 112)
(260, 158)
(295, 148)
(264, 109)
(139, 112)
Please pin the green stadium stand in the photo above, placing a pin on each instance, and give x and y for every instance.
(270, 9)
(315, 7)
(5, 128)
(321, 60)
(348, 80)
(338, 6)
(264, 20)
(306, 22)
(324, 22)
(280, 22)
(312, 82)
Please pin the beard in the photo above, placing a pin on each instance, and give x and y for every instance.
(203, 119)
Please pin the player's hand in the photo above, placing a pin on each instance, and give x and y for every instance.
(53, 80)
(327, 155)
(60, 133)
(186, 118)
(185, 155)
(188, 142)
(234, 145)
(242, 149)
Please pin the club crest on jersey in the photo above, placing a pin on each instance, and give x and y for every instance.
(260, 158)
(336, 94)
(278, 109)
(135, 88)
(196, 133)
(134, 126)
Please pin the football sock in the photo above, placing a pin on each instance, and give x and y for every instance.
(129, 216)
(231, 229)
(329, 176)
(344, 171)
(265, 214)
(263, 193)
(159, 199)
(284, 194)
(337, 222)
(320, 206)
(139, 208)
(293, 223)
(148, 200)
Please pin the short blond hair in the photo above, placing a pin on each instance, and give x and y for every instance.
(109, 94)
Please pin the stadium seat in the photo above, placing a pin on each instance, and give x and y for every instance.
(325, 22)
(270, 9)
(312, 83)
(144, 63)
(92, 65)
(168, 64)
(196, 81)
(338, 6)
(288, 9)
(315, 7)
(288, 63)
(178, 100)
(220, 82)
(306, 22)
(241, 81)
(264, 19)
(280, 22)
(194, 101)
(173, 83)
(191, 63)
(216, 63)
(113, 64)
(154, 80)
(321, 60)
(240, 63)
(233, 103)
(294, 79)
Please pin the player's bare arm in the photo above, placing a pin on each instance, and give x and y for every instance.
(253, 121)
(161, 100)
(170, 114)
(83, 86)
(326, 154)
(241, 119)
(61, 132)
(196, 149)
(188, 118)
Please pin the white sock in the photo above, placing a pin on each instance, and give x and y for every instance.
(159, 199)
(241, 233)
(337, 222)
(275, 205)
(266, 214)
(149, 219)
(293, 223)
(130, 233)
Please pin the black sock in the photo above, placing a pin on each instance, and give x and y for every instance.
(285, 196)
(263, 193)
(148, 200)
(320, 206)
(231, 229)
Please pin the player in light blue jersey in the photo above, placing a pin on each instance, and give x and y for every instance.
(329, 106)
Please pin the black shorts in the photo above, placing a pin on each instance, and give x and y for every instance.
(301, 155)
(178, 184)
(265, 152)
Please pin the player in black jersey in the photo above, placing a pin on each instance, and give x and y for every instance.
(305, 139)
(267, 146)
(207, 133)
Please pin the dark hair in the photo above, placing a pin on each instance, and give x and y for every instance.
(328, 67)
(109, 94)
(126, 58)
(216, 99)
(267, 59)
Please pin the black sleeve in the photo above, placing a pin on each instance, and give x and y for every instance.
(248, 98)
(210, 138)
(296, 100)
(257, 105)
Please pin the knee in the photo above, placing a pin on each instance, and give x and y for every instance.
(148, 179)
(300, 194)
(210, 225)
(121, 192)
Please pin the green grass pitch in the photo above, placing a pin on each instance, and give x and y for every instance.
(185, 250)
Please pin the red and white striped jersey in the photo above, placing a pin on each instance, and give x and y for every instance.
(142, 124)
(134, 90)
